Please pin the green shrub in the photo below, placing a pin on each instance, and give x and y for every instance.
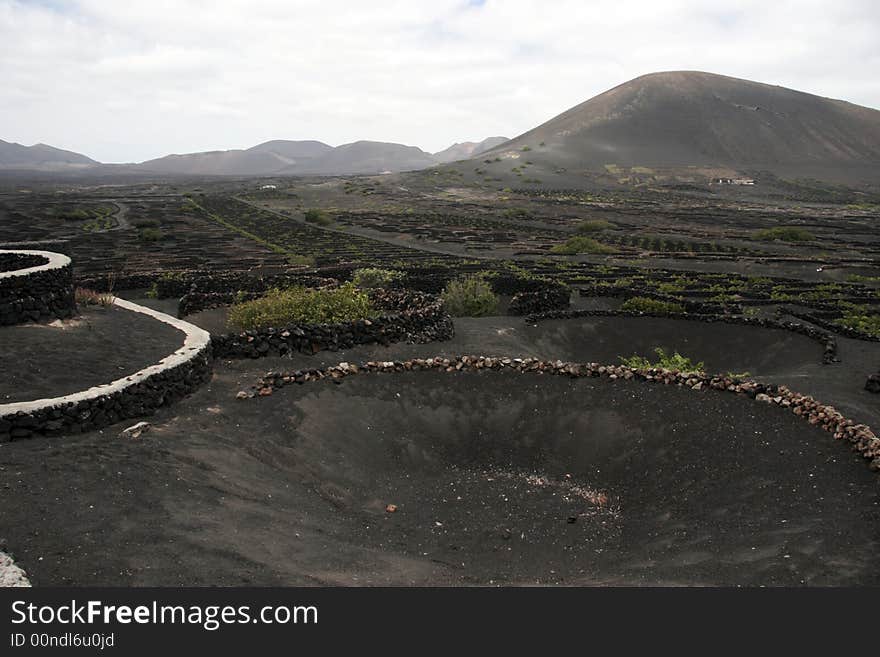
(300, 305)
(149, 234)
(580, 244)
(648, 305)
(784, 234)
(469, 296)
(673, 361)
(860, 321)
(859, 278)
(373, 277)
(315, 216)
(300, 260)
(593, 226)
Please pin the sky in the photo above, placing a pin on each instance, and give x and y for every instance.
(126, 81)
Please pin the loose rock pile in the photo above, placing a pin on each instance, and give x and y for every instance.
(549, 299)
(860, 436)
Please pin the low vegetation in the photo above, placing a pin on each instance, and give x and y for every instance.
(315, 216)
(300, 305)
(149, 234)
(374, 277)
(593, 226)
(648, 305)
(858, 318)
(674, 361)
(859, 278)
(87, 297)
(469, 296)
(297, 260)
(784, 234)
(581, 244)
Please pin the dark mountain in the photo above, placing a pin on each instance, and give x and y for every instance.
(38, 156)
(365, 157)
(689, 118)
(467, 149)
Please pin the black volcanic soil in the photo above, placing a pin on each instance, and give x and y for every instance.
(104, 344)
(488, 472)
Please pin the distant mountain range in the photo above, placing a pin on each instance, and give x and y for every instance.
(38, 156)
(278, 157)
(670, 122)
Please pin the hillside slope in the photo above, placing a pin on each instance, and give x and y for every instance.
(688, 118)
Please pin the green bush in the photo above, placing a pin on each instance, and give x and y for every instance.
(860, 321)
(673, 361)
(315, 216)
(648, 305)
(373, 277)
(593, 226)
(469, 296)
(580, 244)
(149, 234)
(300, 260)
(784, 234)
(300, 305)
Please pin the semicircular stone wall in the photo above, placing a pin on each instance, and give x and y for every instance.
(136, 395)
(35, 286)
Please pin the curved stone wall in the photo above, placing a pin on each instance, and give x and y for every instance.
(35, 286)
(860, 436)
(826, 339)
(409, 316)
(133, 396)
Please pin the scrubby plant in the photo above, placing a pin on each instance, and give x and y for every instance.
(297, 260)
(374, 277)
(858, 318)
(581, 244)
(674, 361)
(739, 376)
(150, 234)
(86, 297)
(648, 305)
(469, 296)
(593, 226)
(784, 234)
(316, 216)
(859, 278)
(300, 305)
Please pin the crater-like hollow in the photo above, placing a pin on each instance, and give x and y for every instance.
(499, 477)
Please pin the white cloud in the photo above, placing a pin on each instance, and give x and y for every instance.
(126, 81)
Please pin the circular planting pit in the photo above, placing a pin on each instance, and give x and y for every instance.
(723, 347)
(516, 478)
(462, 477)
(103, 344)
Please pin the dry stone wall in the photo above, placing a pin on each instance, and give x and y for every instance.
(35, 286)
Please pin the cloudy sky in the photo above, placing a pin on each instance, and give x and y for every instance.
(129, 80)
